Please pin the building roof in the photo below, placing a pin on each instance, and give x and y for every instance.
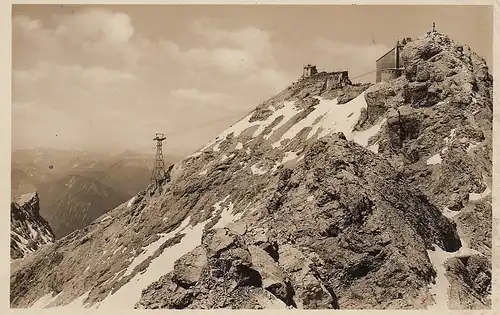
(386, 54)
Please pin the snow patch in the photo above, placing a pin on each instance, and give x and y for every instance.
(79, 302)
(435, 159)
(275, 167)
(239, 146)
(45, 237)
(472, 146)
(439, 290)
(130, 202)
(22, 243)
(448, 139)
(362, 137)
(312, 120)
(474, 196)
(342, 118)
(22, 239)
(289, 156)
(116, 250)
(107, 217)
(374, 147)
(45, 300)
(438, 257)
(130, 293)
(33, 232)
(203, 172)
(287, 111)
(226, 215)
(449, 214)
(310, 198)
(257, 171)
(329, 117)
(216, 146)
(225, 157)
(236, 129)
(151, 248)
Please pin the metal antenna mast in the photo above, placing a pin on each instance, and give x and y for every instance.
(158, 176)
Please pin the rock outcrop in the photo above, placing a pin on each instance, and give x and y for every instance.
(438, 134)
(29, 231)
(355, 235)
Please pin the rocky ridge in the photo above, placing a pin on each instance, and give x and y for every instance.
(322, 197)
(29, 231)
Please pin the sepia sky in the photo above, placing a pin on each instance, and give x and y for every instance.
(109, 77)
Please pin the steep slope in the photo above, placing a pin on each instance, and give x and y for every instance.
(311, 201)
(29, 231)
(439, 134)
(75, 201)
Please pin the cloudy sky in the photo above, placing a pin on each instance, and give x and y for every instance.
(109, 77)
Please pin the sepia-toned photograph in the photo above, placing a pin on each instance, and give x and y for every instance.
(168, 156)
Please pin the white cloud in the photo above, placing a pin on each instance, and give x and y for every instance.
(227, 60)
(72, 88)
(251, 39)
(194, 95)
(91, 67)
(25, 23)
(90, 36)
(232, 52)
(96, 25)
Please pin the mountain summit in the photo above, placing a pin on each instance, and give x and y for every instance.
(329, 195)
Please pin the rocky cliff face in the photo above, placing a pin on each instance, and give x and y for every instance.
(352, 197)
(438, 133)
(29, 231)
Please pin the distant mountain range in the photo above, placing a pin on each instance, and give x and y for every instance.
(76, 187)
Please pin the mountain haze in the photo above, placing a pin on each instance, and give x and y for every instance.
(76, 187)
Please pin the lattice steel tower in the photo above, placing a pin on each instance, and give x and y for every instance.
(158, 176)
